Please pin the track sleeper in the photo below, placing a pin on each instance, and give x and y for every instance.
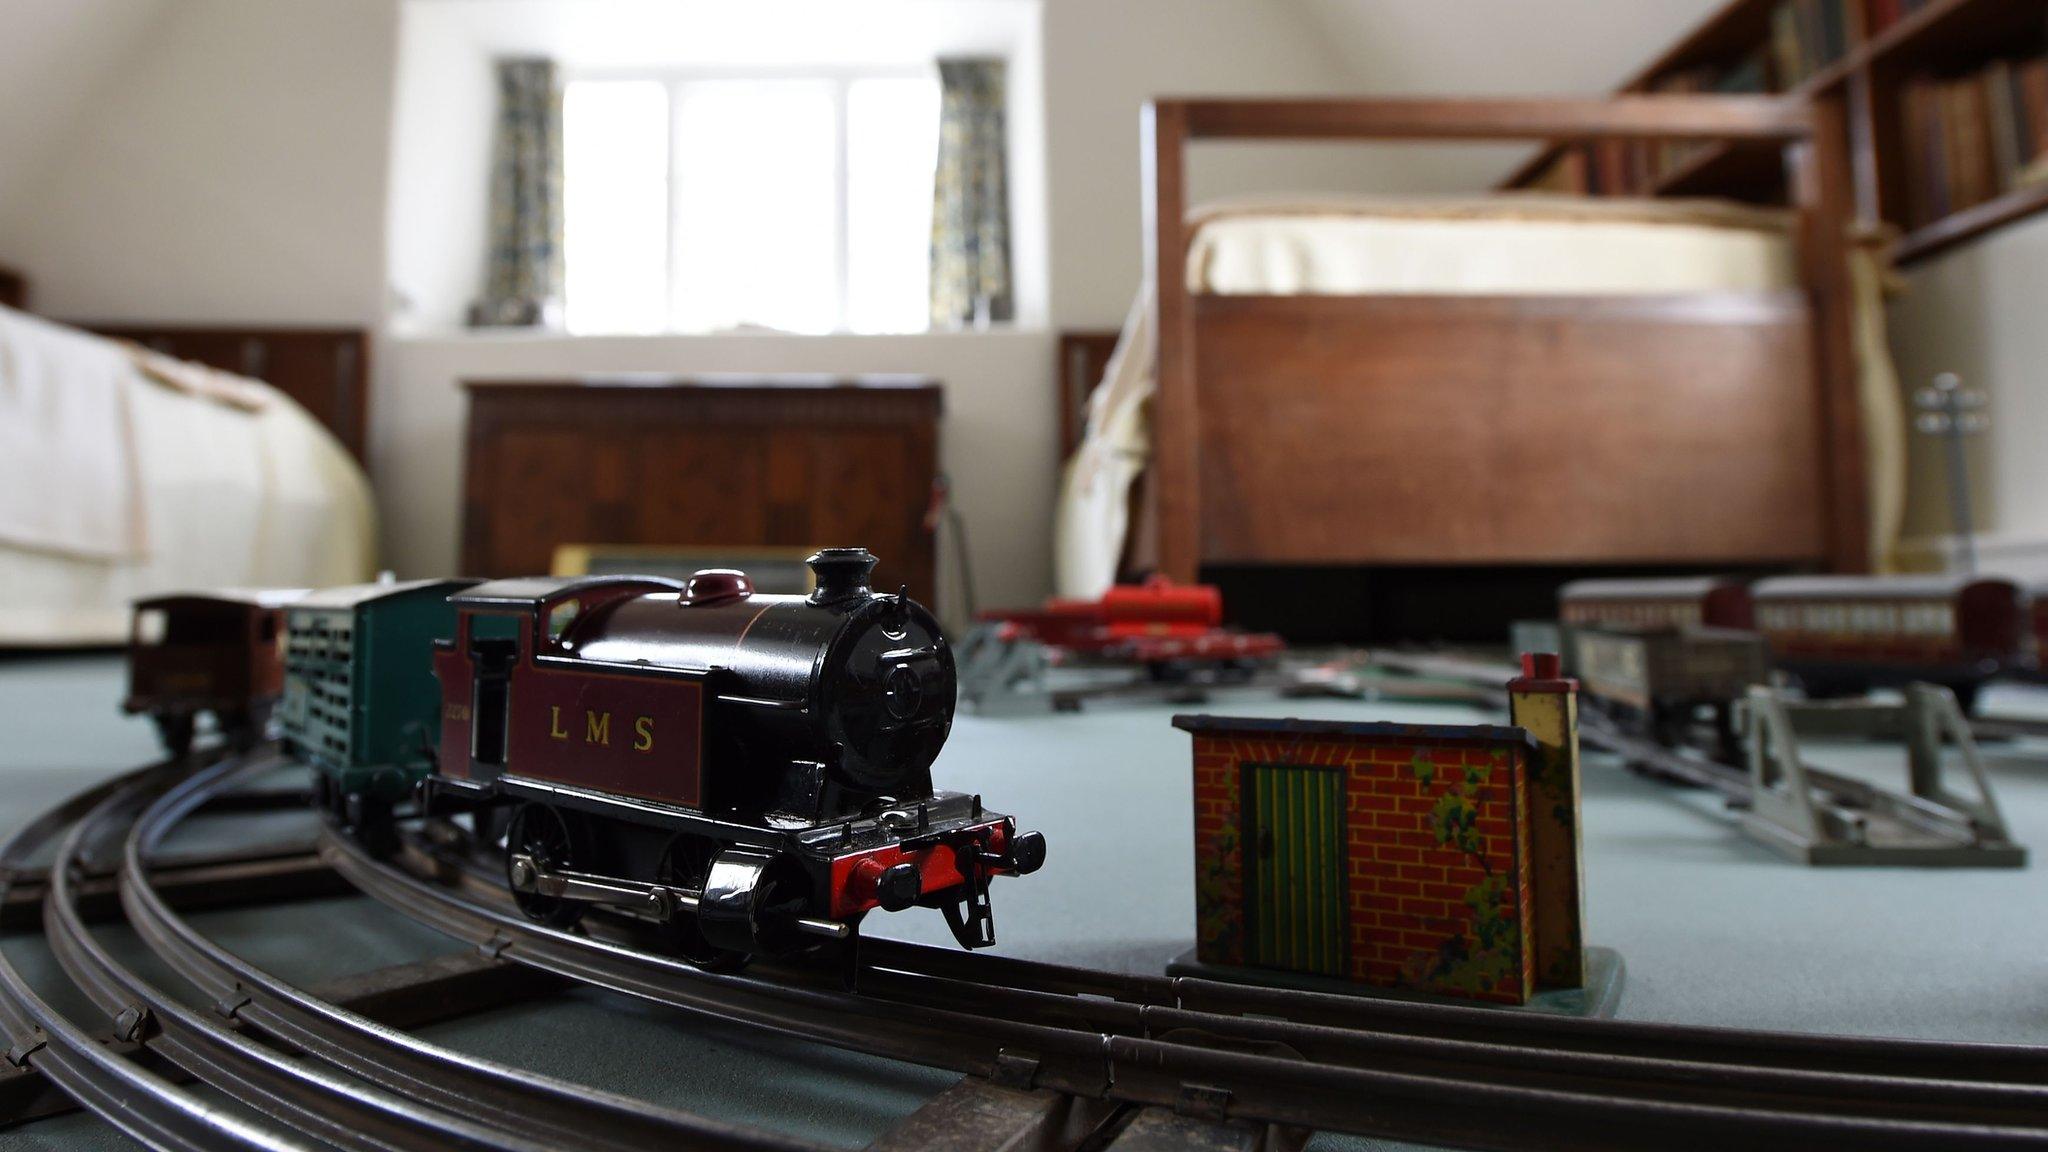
(133, 1023)
(231, 1003)
(1014, 1070)
(26, 1046)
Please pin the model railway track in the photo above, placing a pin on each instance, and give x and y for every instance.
(1467, 1077)
(315, 1074)
(1168, 1055)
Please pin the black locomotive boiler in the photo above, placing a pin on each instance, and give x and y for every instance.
(753, 771)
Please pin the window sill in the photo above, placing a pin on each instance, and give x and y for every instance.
(465, 335)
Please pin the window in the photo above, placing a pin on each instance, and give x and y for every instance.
(800, 203)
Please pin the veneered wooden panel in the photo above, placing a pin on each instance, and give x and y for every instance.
(701, 462)
(873, 485)
(699, 486)
(539, 494)
(1501, 430)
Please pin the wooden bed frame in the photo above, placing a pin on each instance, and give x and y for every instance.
(327, 370)
(1708, 429)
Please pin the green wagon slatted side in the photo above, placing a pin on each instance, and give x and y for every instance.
(1294, 823)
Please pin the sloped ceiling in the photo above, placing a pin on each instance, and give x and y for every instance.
(55, 57)
(1487, 48)
(1500, 47)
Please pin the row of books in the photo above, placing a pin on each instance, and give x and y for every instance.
(1613, 168)
(1806, 37)
(1972, 138)
(1882, 14)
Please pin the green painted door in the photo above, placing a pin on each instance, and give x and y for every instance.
(1295, 880)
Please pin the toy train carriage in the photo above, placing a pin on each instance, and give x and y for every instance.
(217, 652)
(1842, 635)
(1658, 680)
(754, 771)
(1670, 602)
(361, 705)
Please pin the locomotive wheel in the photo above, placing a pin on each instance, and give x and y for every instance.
(175, 729)
(685, 862)
(546, 835)
(370, 819)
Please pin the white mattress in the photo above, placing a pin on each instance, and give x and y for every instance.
(227, 497)
(1506, 245)
(1516, 245)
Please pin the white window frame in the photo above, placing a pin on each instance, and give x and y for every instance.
(839, 79)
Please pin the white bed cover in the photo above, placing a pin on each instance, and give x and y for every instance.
(140, 488)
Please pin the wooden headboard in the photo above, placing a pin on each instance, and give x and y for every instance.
(1083, 356)
(1708, 430)
(327, 370)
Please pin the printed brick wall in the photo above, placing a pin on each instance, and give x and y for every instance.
(1219, 855)
(1438, 893)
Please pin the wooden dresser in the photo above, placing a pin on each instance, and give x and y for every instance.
(702, 462)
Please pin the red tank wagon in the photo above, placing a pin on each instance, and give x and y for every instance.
(1163, 626)
(218, 652)
(752, 770)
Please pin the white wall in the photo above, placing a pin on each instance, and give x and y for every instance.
(231, 167)
(55, 60)
(1977, 311)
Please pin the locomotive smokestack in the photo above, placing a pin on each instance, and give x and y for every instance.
(841, 573)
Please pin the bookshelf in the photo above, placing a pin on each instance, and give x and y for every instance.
(1945, 102)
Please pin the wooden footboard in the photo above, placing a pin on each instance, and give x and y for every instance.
(1708, 429)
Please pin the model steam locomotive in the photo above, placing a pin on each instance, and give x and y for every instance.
(753, 771)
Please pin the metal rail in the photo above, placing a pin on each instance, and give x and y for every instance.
(145, 1106)
(1476, 1093)
(314, 1099)
(484, 1092)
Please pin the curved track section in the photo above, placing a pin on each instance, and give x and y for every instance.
(326, 1078)
(144, 1105)
(1485, 1091)
(519, 1106)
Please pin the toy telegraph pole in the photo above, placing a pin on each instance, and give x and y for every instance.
(1953, 412)
(1545, 703)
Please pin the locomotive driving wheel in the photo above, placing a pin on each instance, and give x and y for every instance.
(685, 863)
(545, 836)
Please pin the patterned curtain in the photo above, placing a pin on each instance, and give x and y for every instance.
(970, 198)
(523, 280)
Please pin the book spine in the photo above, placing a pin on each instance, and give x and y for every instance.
(2033, 83)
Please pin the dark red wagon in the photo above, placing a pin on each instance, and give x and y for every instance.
(218, 652)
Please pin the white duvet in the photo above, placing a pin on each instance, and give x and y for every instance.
(133, 487)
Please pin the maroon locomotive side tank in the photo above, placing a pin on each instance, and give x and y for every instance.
(860, 683)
